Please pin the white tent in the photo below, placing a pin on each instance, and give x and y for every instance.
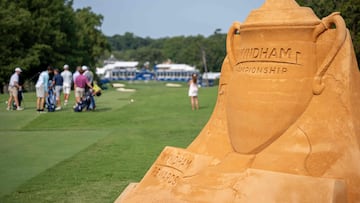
(183, 67)
(104, 71)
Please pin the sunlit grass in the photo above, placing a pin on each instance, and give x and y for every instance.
(93, 156)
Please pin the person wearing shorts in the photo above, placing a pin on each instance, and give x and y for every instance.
(193, 92)
(42, 88)
(57, 83)
(13, 89)
(80, 83)
(67, 80)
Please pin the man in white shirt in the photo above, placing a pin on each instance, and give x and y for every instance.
(13, 89)
(75, 75)
(67, 78)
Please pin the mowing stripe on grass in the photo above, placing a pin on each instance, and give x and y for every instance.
(23, 155)
(15, 120)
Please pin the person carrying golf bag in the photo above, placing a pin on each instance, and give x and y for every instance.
(81, 82)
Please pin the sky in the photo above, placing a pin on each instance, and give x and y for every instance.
(168, 18)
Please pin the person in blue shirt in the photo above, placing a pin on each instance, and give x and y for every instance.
(57, 84)
(42, 88)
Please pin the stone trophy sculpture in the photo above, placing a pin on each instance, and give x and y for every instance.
(286, 125)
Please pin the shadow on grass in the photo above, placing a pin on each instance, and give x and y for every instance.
(103, 109)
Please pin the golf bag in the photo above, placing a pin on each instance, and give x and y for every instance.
(88, 103)
(51, 101)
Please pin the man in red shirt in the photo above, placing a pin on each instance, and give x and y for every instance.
(80, 83)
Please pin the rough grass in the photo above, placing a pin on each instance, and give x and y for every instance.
(92, 156)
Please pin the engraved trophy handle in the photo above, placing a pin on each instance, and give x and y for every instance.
(326, 23)
(234, 29)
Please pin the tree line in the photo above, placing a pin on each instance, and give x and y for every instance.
(191, 49)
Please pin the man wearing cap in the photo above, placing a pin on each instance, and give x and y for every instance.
(80, 83)
(89, 75)
(14, 88)
(67, 79)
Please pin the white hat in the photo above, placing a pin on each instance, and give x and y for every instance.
(66, 66)
(84, 67)
(18, 69)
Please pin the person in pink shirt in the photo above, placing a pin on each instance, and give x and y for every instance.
(80, 84)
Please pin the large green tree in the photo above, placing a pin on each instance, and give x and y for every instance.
(350, 10)
(91, 43)
(38, 33)
(14, 24)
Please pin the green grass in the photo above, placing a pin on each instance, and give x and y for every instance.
(92, 156)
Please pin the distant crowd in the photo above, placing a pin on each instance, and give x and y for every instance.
(48, 92)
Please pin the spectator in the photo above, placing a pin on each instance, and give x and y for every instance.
(20, 91)
(67, 80)
(80, 83)
(13, 89)
(75, 75)
(193, 92)
(57, 83)
(88, 73)
(42, 88)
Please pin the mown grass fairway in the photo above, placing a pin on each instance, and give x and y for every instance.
(92, 156)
